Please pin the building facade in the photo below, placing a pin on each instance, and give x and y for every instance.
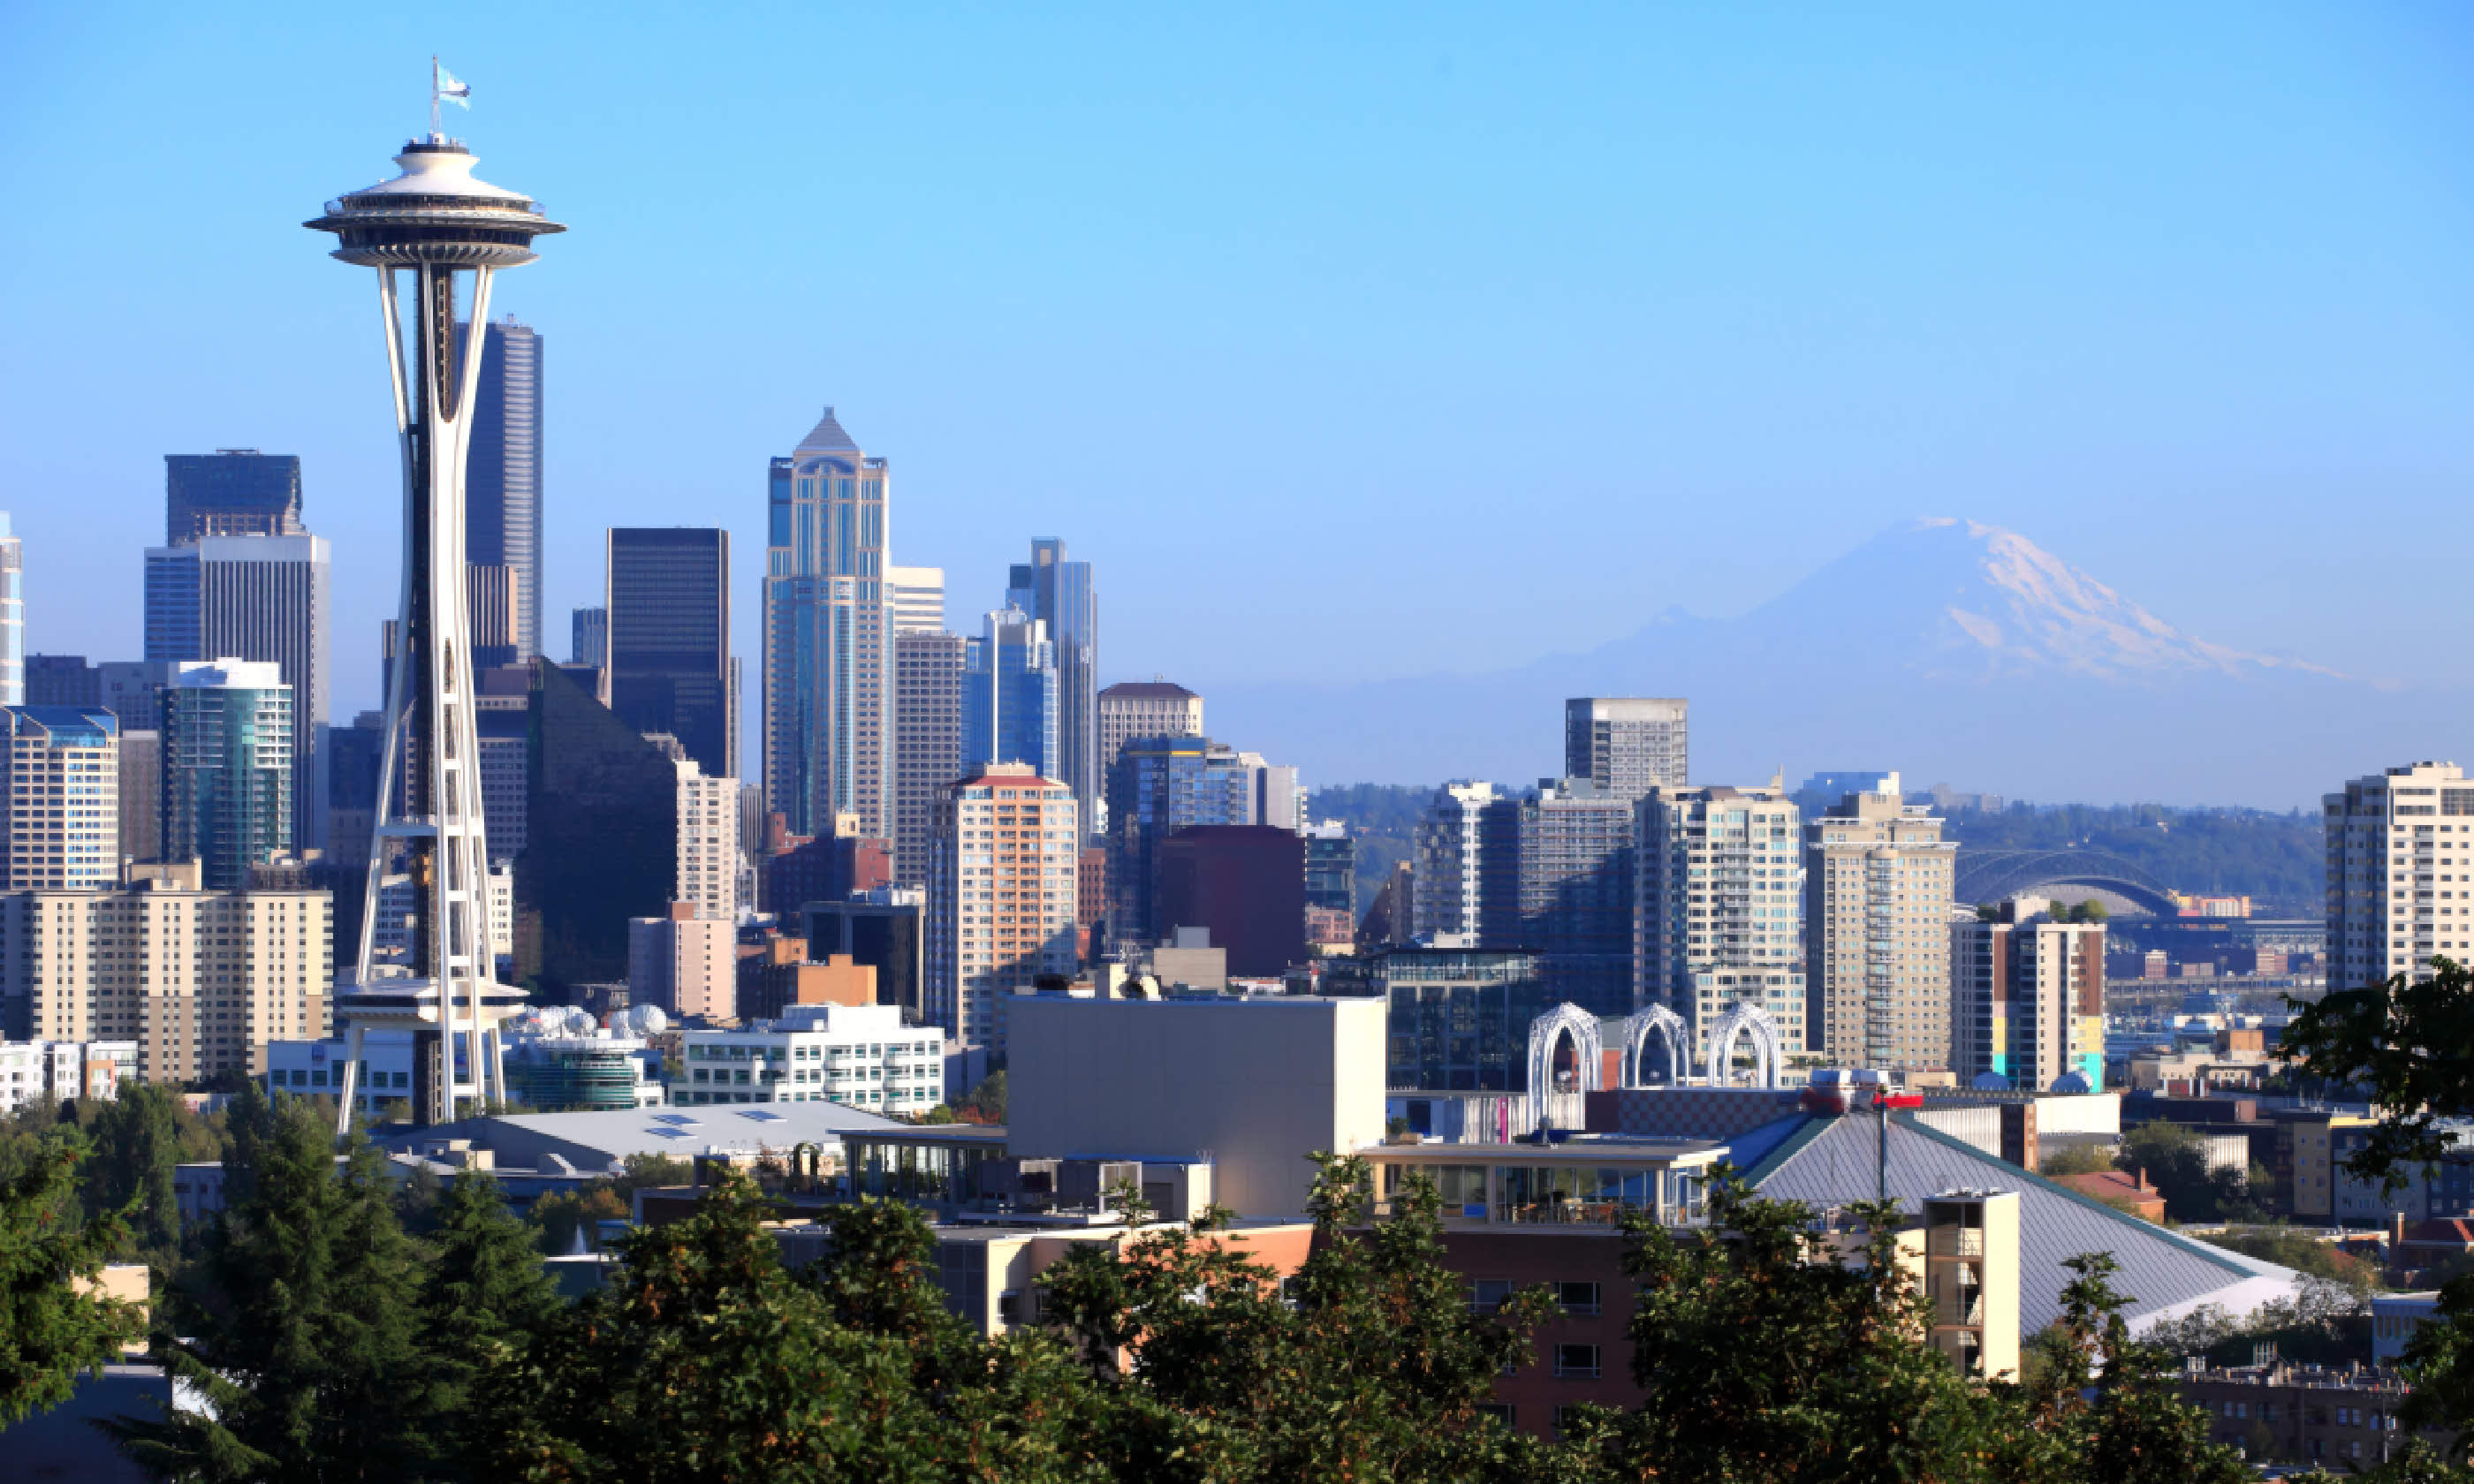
(502, 479)
(1163, 784)
(883, 931)
(1878, 881)
(587, 637)
(686, 964)
(1718, 876)
(860, 1056)
(255, 597)
(62, 826)
(2027, 1002)
(1451, 865)
(13, 615)
(2389, 837)
(200, 980)
(62, 680)
(708, 814)
(928, 680)
(1010, 694)
(601, 836)
(828, 637)
(231, 491)
(671, 670)
(1628, 745)
(918, 598)
(1556, 879)
(1142, 708)
(1246, 884)
(1058, 595)
(1001, 897)
(228, 768)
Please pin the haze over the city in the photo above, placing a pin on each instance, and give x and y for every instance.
(1349, 348)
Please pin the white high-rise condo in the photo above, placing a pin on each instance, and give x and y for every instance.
(451, 232)
(2391, 836)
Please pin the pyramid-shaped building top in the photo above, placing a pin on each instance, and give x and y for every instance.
(825, 437)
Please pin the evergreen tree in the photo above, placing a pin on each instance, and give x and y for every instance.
(137, 1151)
(486, 1304)
(49, 1328)
(299, 1319)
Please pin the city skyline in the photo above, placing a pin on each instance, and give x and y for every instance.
(2030, 370)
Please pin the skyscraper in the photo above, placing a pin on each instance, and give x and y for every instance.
(450, 233)
(2386, 833)
(918, 598)
(1451, 865)
(141, 794)
(62, 679)
(1877, 902)
(260, 597)
(1717, 874)
(602, 837)
(1009, 695)
(588, 638)
(1001, 897)
(228, 778)
(12, 617)
(502, 491)
(828, 637)
(670, 639)
(1058, 594)
(2027, 1002)
(62, 798)
(1627, 745)
(927, 741)
(133, 690)
(1566, 892)
(1162, 785)
(1144, 708)
(231, 491)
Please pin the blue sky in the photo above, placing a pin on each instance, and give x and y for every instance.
(1349, 342)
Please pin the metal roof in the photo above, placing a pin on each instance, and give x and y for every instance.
(1833, 1161)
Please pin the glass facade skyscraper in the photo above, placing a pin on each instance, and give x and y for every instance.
(829, 730)
(228, 797)
(601, 836)
(1058, 594)
(1009, 695)
(671, 670)
(230, 492)
(503, 490)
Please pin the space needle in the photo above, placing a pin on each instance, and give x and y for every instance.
(437, 235)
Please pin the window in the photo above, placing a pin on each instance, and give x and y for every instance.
(1501, 1411)
(1564, 1419)
(1487, 1294)
(1579, 1299)
(1577, 1361)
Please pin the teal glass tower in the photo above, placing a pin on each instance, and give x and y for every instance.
(228, 799)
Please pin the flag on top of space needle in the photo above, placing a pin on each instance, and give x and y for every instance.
(444, 84)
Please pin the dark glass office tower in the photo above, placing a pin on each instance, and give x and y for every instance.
(503, 490)
(668, 592)
(1057, 592)
(230, 492)
(601, 809)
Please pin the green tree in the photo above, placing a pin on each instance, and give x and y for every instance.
(1764, 1353)
(53, 1324)
(2114, 1403)
(137, 1147)
(485, 1306)
(298, 1317)
(2177, 1162)
(986, 1102)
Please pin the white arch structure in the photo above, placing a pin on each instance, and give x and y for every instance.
(1548, 1029)
(1669, 1026)
(1743, 1019)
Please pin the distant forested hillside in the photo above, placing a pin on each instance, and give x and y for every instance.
(2273, 858)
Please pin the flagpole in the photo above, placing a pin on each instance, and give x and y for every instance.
(434, 95)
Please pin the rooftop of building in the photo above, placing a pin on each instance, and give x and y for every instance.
(825, 437)
(613, 1135)
(1148, 690)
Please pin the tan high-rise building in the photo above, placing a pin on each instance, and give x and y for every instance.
(2394, 840)
(2027, 1000)
(1002, 897)
(1718, 879)
(59, 799)
(927, 740)
(200, 980)
(1877, 936)
(1144, 708)
(707, 843)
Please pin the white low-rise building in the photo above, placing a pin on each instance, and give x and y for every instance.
(860, 1056)
(64, 1070)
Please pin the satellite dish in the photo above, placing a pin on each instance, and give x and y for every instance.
(2069, 1082)
(1990, 1082)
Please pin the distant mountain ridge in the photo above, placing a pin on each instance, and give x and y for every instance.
(1946, 648)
